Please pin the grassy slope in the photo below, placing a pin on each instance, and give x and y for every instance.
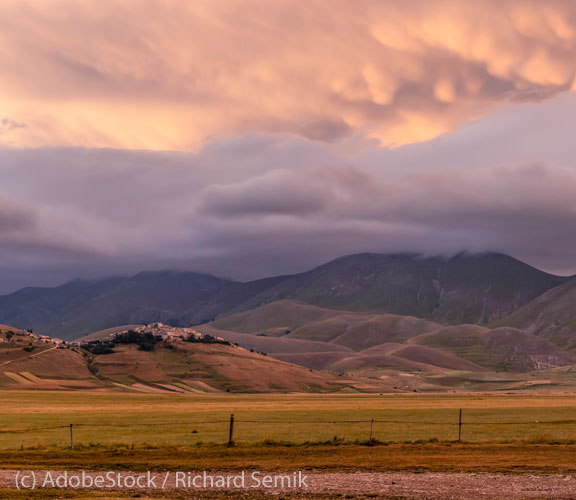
(551, 315)
(462, 347)
(220, 366)
(201, 367)
(298, 320)
(502, 349)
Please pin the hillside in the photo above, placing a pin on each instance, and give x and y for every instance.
(169, 367)
(466, 288)
(551, 315)
(502, 349)
(298, 320)
(462, 347)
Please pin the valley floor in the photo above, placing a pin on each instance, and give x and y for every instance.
(42, 419)
(513, 446)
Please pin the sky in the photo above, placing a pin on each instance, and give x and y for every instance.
(249, 138)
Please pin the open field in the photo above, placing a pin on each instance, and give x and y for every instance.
(32, 419)
(531, 437)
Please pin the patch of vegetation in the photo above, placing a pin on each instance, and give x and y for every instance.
(207, 339)
(145, 342)
(99, 348)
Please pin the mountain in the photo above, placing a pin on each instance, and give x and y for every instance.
(467, 288)
(552, 315)
(84, 306)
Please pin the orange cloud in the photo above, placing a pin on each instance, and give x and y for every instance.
(143, 74)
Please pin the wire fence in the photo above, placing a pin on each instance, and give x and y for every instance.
(232, 430)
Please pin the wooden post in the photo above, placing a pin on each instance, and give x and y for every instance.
(231, 433)
(371, 429)
(72, 436)
(460, 426)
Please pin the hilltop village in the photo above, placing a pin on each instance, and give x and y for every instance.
(160, 331)
(154, 332)
(34, 337)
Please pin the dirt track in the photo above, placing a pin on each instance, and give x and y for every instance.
(428, 486)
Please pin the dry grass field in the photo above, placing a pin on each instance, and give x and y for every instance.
(101, 419)
(322, 434)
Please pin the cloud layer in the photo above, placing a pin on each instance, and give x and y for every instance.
(258, 205)
(175, 75)
(255, 137)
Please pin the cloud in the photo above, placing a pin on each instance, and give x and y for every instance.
(14, 217)
(257, 205)
(277, 192)
(174, 75)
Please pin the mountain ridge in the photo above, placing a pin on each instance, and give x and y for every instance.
(465, 288)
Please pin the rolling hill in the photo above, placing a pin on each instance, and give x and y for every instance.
(297, 320)
(315, 337)
(502, 349)
(170, 367)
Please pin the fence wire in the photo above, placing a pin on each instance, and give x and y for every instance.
(463, 423)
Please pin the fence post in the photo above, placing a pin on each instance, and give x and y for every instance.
(371, 429)
(460, 426)
(72, 436)
(231, 433)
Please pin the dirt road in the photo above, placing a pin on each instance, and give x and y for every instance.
(29, 356)
(425, 486)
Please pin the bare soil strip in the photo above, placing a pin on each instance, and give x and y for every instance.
(424, 486)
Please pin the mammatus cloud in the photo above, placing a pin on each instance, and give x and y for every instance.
(174, 75)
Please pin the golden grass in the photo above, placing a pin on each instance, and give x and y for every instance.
(102, 418)
(436, 457)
